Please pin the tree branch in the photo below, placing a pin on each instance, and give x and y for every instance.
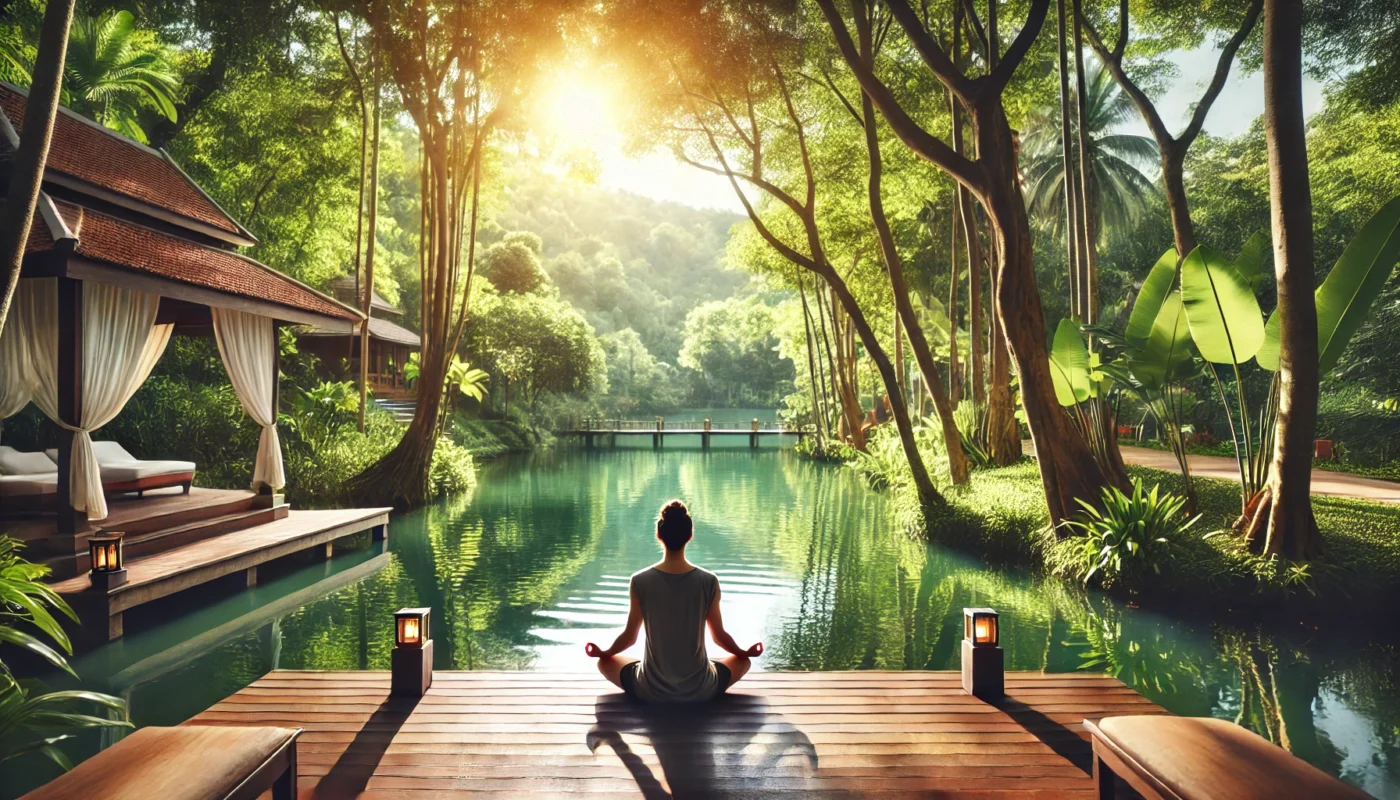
(975, 23)
(928, 146)
(1135, 93)
(1016, 53)
(1222, 71)
(938, 61)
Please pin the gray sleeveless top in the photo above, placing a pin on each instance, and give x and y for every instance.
(675, 668)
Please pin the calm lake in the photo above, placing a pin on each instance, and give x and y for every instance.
(535, 563)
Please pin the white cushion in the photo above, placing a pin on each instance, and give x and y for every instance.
(13, 462)
(136, 470)
(28, 485)
(104, 452)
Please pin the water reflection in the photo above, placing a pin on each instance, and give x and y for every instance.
(533, 565)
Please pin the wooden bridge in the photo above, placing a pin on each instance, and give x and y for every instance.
(832, 734)
(596, 432)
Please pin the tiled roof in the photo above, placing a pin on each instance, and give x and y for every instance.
(109, 160)
(381, 329)
(344, 288)
(125, 244)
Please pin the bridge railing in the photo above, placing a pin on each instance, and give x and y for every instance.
(594, 424)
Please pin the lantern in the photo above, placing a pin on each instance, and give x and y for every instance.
(983, 662)
(411, 661)
(980, 626)
(108, 567)
(412, 627)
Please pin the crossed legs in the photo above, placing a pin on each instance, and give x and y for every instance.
(611, 667)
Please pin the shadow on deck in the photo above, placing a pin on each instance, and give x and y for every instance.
(836, 734)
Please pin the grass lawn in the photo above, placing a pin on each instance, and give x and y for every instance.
(1002, 516)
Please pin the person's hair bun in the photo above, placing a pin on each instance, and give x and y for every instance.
(673, 525)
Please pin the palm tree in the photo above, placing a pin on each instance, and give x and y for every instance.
(1119, 188)
(115, 71)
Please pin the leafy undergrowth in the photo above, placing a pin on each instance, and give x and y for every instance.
(1001, 516)
(494, 438)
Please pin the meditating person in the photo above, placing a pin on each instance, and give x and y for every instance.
(675, 600)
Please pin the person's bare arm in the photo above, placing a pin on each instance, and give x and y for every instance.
(722, 637)
(624, 640)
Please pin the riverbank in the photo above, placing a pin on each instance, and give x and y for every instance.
(1001, 516)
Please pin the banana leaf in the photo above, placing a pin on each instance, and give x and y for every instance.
(1167, 353)
(1153, 293)
(1346, 295)
(1250, 262)
(1069, 364)
(1221, 309)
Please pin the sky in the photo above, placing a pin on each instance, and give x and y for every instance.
(583, 112)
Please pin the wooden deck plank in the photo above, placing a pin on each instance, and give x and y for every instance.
(520, 734)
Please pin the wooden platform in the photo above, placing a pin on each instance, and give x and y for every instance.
(832, 734)
(122, 510)
(184, 567)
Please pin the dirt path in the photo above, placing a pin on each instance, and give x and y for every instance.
(1324, 482)
(1337, 484)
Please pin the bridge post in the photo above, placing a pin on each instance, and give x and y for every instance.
(656, 437)
(705, 437)
(753, 434)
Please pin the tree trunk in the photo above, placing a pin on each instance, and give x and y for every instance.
(27, 166)
(1292, 531)
(1003, 431)
(1174, 181)
(368, 299)
(1089, 242)
(1068, 182)
(954, 367)
(1068, 470)
(894, 266)
(976, 320)
(929, 497)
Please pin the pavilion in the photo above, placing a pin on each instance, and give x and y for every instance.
(390, 345)
(126, 250)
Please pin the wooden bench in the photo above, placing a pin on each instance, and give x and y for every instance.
(191, 762)
(1194, 758)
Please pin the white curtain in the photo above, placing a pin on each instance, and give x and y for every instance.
(14, 364)
(121, 345)
(248, 344)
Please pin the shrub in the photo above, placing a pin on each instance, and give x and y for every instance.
(31, 721)
(453, 470)
(1130, 534)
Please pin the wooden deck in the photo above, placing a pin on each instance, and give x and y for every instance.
(128, 508)
(833, 734)
(184, 567)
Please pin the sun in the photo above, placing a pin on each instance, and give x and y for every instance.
(578, 109)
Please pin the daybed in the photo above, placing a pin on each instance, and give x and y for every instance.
(123, 473)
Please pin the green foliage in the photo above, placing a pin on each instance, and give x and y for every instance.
(733, 346)
(32, 721)
(323, 412)
(1226, 323)
(1119, 188)
(453, 469)
(1129, 533)
(513, 266)
(971, 419)
(114, 72)
(535, 344)
(1346, 295)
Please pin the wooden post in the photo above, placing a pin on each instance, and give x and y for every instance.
(70, 398)
(252, 574)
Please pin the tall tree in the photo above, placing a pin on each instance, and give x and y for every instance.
(371, 193)
(1285, 514)
(1068, 470)
(1172, 148)
(894, 266)
(457, 68)
(27, 168)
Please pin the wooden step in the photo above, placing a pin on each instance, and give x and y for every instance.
(175, 519)
(186, 527)
(158, 541)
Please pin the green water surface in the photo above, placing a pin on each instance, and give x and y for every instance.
(534, 563)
